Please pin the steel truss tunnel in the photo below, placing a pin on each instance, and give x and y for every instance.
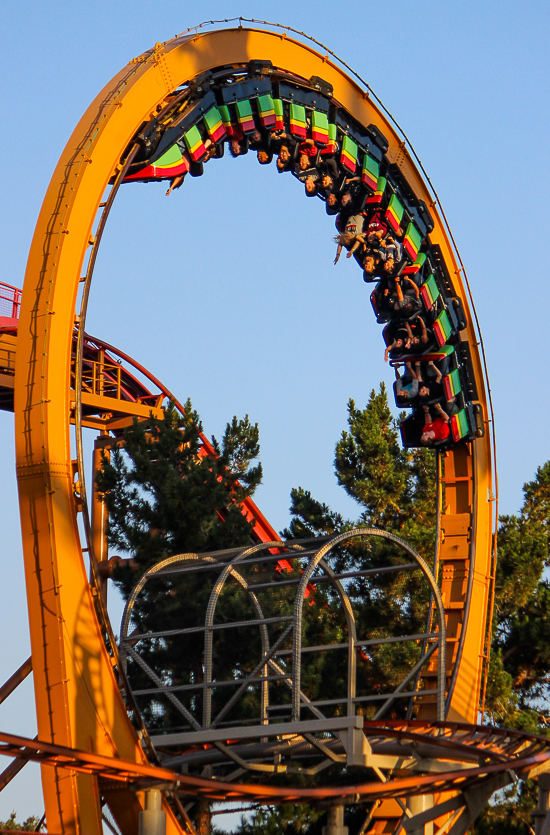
(155, 119)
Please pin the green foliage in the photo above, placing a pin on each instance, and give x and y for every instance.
(519, 671)
(28, 825)
(393, 487)
(510, 814)
(281, 820)
(166, 497)
(522, 547)
(536, 506)
(296, 819)
(519, 674)
(395, 491)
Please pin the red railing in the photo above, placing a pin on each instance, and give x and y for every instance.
(10, 301)
(134, 390)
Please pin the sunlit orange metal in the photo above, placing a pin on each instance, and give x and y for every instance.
(502, 751)
(78, 702)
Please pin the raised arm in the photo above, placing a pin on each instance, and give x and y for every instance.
(442, 412)
(359, 239)
(176, 183)
(388, 349)
(414, 285)
(398, 288)
(424, 337)
(439, 375)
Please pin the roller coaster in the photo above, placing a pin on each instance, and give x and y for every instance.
(306, 115)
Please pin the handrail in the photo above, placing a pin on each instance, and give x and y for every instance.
(13, 298)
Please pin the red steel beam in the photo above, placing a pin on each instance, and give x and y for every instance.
(138, 774)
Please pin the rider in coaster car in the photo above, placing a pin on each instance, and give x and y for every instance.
(332, 206)
(353, 189)
(264, 157)
(373, 264)
(375, 247)
(312, 185)
(351, 236)
(419, 337)
(405, 302)
(432, 387)
(415, 341)
(406, 386)
(212, 152)
(397, 343)
(436, 429)
(328, 187)
(376, 231)
(284, 146)
(238, 145)
(307, 153)
(302, 174)
(329, 168)
(257, 141)
(347, 200)
(176, 183)
(260, 141)
(393, 251)
(284, 159)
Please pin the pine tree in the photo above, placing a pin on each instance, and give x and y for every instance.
(165, 497)
(519, 672)
(394, 488)
(31, 824)
(283, 820)
(395, 491)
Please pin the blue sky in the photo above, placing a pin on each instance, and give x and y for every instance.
(226, 290)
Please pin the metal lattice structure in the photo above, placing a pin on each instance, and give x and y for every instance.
(275, 667)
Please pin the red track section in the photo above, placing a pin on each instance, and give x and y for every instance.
(133, 390)
(514, 751)
(10, 302)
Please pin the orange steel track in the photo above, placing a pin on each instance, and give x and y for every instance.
(79, 705)
(521, 752)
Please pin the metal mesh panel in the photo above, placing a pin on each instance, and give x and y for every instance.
(10, 301)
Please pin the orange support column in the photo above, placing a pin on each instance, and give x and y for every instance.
(100, 517)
